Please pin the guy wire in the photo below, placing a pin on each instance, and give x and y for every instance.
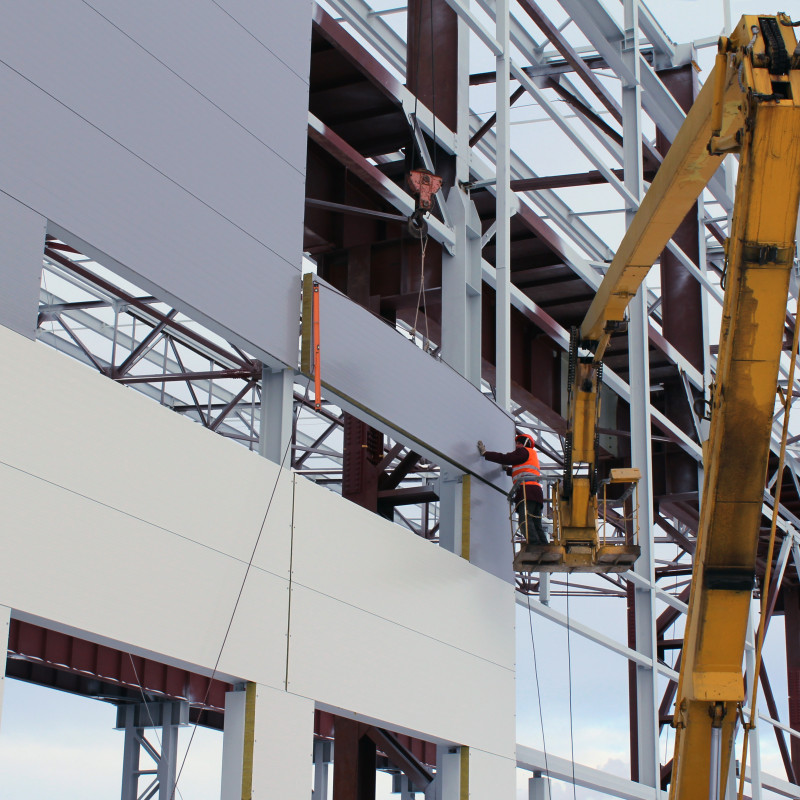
(149, 713)
(538, 693)
(569, 675)
(239, 595)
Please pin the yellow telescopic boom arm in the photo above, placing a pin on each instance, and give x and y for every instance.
(751, 106)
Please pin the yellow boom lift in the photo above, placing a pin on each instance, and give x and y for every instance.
(749, 106)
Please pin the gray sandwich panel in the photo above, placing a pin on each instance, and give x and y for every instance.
(82, 61)
(172, 243)
(225, 63)
(376, 368)
(284, 28)
(490, 530)
(21, 244)
(129, 155)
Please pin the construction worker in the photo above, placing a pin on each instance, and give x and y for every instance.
(522, 464)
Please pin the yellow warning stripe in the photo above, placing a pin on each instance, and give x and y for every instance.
(466, 488)
(464, 792)
(249, 741)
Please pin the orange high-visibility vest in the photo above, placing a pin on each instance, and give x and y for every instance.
(528, 470)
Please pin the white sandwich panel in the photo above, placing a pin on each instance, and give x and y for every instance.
(21, 244)
(376, 368)
(350, 554)
(283, 746)
(346, 657)
(119, 151)
(492, 775)
(83, 566)
(79, 430)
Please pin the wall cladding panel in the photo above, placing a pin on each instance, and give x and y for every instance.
(80, 565)
(399, 577)
(249, 83)
(373, 366)
(490, 530)
(129, 156)
(103, 441)
(348, 658)
(283, 28)
(408, 634)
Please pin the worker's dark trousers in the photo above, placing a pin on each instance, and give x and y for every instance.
(533, 512)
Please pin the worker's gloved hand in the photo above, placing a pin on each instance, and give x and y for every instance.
(481, 447)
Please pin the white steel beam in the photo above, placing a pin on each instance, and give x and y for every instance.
(594, 636)
(647, 728)
(502, 308)
(588, 777)
(374, 29)
(496, 44)
(607, 38)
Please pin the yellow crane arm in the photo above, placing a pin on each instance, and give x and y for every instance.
(750, 106)
(760, 253)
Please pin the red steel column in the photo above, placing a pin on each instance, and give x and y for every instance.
(681, 306)
(363, 450)
(354, 761)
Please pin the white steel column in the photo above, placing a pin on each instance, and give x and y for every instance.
(450, 509)
(159, 774)
(538, 785)
(233, 746)
(21, 250)
(447, 783)
(279, 743)
(275, 430)
(754, 756)
(503, 234)
(461, 271)
(5, 623)
(641, 451)
(461, 289)
(322, 763)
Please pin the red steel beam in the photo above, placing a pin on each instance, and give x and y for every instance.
(69, 653)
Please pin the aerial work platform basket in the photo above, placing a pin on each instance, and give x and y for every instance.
(594, 543)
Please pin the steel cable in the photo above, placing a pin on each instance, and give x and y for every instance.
(239, 595)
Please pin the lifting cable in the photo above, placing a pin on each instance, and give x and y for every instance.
(241, 591)
(569, 676)
(423, 239)
(421, 296)
(787, 405)
(538, 692)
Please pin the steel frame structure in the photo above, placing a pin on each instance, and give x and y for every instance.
(88, 313)
(641, 56)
